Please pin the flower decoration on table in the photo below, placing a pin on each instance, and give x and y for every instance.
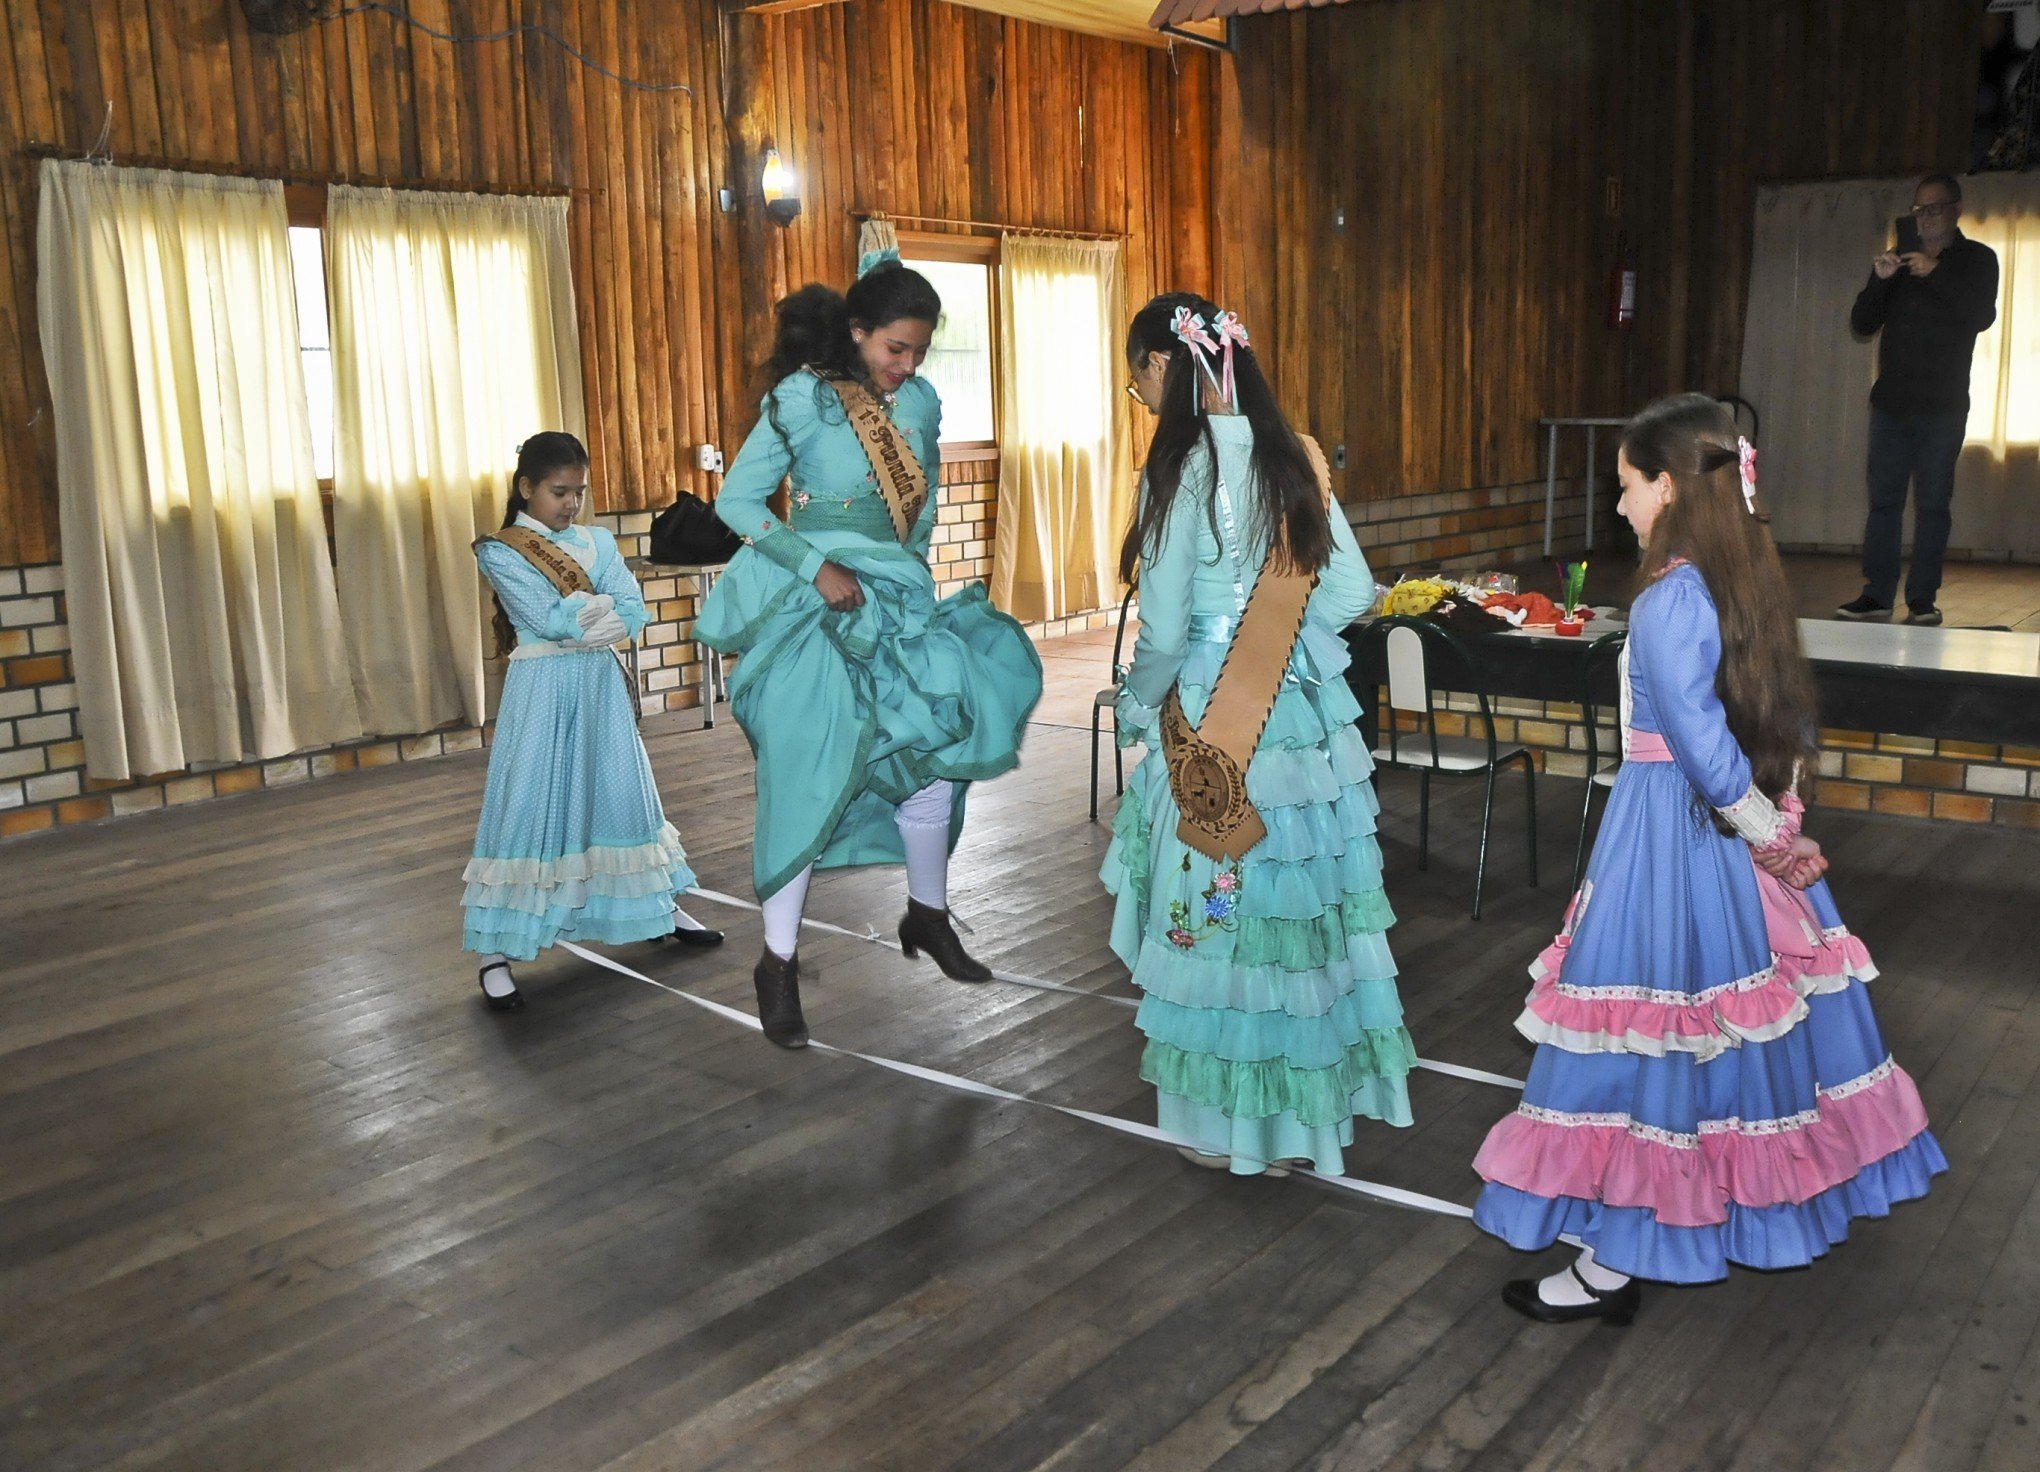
(1216, 910)
(1575, 588)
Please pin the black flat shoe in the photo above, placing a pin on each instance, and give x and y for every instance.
(925, 928)
(512, 1003)
(778, 987)
(700, 939)
(1617, 1306)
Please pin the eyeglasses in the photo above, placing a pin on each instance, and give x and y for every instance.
(1932, 211)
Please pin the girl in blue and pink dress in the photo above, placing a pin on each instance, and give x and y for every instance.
(1710, 1086)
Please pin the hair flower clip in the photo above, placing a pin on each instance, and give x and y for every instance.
(1746, 456)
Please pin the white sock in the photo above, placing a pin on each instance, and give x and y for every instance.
(782, 915)
(496, 978)
(1562, 1289)
(684, 921)
(923, 821)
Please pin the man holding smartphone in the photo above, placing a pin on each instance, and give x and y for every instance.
(1930, 297)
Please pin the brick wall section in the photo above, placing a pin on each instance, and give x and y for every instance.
(42, 758)
(1860, 771)
(1456, 531)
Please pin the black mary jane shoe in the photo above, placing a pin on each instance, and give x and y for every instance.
(512, 1003)
(925, 928)
(777, 983)
(1616, 1306)
(699, 939)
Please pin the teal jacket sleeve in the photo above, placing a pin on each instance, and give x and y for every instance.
(759, 468)
(1165, 599)
(532, 602)
(1345, 588)
(928, 446)
(614, 577)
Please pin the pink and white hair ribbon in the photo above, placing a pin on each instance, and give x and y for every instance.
(1190, 330)
(1231, 333)
(1746, 455)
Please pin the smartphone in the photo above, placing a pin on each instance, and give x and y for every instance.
(1908, 235)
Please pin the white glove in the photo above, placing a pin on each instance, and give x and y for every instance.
(592, 608)
(604, 630)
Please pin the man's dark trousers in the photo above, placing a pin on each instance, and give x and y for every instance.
(1920, 449)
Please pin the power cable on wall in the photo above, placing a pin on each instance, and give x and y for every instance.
(528, 28)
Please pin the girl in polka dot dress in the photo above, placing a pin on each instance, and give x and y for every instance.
(572, 844)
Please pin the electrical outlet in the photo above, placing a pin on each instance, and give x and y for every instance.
(1338, 219)
(708, 457)
(1338, 457)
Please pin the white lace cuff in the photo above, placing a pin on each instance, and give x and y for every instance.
(1754, 817)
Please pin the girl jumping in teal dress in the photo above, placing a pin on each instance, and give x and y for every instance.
(572, 843)
(1270, 1003)
(869, 703)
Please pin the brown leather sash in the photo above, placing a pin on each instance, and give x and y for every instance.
(901, 480)
(565, 574)
(1208, 763)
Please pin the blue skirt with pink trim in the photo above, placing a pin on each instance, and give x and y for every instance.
(1710, 1085)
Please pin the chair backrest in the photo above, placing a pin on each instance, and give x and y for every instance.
(1595, 659)
(1119, 634)
(1409, 647)
(1739, 406)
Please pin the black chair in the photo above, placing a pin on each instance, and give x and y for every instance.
(1102, 702)
(1408, 647)
(1599, 656)
(1738, 406)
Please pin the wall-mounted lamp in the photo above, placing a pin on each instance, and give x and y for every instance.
(781, 189)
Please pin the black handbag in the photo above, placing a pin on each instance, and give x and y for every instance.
(689, 531)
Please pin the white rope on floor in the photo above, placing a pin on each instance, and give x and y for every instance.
(1394, 1195)
(716, 896)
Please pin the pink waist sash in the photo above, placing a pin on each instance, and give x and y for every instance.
(1646, 746)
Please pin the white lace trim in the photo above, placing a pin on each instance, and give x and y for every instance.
(1754, 817)
(663, 852)
(1683, 1140)
(1756, 981)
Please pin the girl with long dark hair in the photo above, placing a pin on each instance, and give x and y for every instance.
(1710, 1086)
(572, 842)
(869, 703)
(1270, 1003)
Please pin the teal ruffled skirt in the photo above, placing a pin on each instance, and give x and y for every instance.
(849, 714)
(572, 843)
(1269, 998)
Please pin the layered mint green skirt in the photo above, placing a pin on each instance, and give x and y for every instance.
(1269, 998)
(849, 714)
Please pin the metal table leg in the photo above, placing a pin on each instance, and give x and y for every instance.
(1550, 480)
(1590, 489)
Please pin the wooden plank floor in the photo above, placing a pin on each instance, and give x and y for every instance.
(276, 1191)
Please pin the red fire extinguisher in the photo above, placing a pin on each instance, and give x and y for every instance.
(1622, 287)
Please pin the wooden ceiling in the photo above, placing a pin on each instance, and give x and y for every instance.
(1123, 20)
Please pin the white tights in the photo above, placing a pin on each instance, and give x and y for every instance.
(923, 821)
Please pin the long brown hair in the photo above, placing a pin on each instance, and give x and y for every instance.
(1285, 507)
(1764, 681)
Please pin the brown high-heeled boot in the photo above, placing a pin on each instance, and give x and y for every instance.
(925, 928)
(778, 985)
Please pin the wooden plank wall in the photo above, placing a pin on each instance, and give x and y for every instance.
(928, 108)
(1472, 146)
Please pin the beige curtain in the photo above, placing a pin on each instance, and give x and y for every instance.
(1810, 379)
(453, 341)
(1065, 489)
(200, 596)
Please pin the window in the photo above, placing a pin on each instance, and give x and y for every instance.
(962, 360)
(315, 340)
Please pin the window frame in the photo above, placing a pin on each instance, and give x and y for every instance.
(974, 250)
(305, 207)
